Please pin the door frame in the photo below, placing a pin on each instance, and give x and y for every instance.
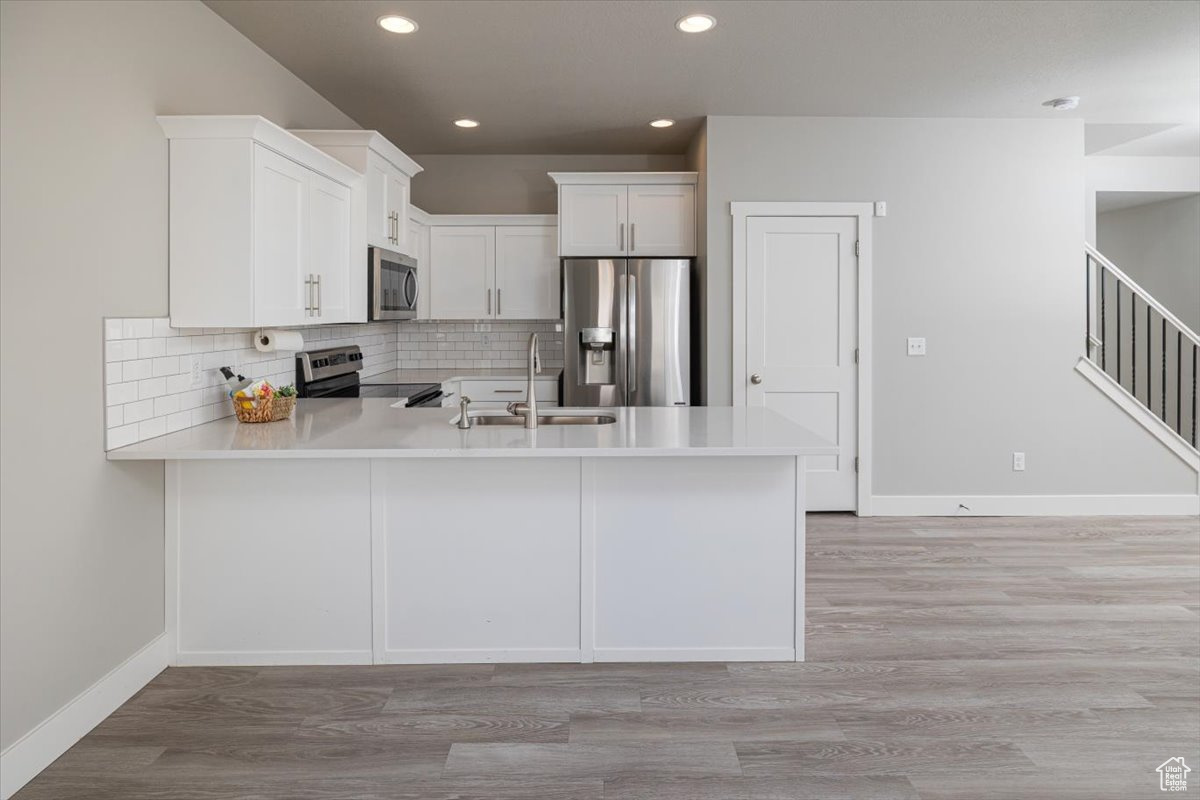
(863, 214)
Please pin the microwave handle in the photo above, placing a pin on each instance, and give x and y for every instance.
(410, 280)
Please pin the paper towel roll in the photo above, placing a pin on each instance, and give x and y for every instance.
(269, 341)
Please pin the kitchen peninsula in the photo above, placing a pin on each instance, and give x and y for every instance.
(359, 533)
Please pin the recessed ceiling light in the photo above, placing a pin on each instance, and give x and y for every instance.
(662, 123)
(696, 23)
(396, 24)
(467, 123)
(1062, 103)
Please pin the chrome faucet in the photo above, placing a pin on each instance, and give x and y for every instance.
(464, 418)
(528, 409)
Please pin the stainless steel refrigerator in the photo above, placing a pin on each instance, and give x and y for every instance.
(626, 336)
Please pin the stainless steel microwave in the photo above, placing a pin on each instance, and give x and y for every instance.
(393, 285)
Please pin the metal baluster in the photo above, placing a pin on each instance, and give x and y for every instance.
(1103, 325)
(1119, 332)
(1149, 374)
(1133, 344)
(1179, 382)
(1164, 369)
(1194, 348)
(1087, 292)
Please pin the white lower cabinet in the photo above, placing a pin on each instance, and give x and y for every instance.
(493, 272)
(485, 559)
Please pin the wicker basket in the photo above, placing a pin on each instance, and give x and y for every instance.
(281, 407)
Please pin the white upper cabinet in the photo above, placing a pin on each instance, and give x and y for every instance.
(282, 284)
(662, 220)
(261, 226)
(388, 172)
(592, 220)
(503, 271)
(528, 282)
(329, 211)
(626, 214)
(461, 284)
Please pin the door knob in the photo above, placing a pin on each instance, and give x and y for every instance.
(756, 379)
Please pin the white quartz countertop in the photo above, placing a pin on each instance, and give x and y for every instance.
(459, 374)
(372, 428)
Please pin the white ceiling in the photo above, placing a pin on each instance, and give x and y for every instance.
(563, 76)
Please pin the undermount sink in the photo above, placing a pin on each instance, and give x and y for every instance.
(549, 419)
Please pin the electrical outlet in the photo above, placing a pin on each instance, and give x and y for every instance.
(487, 340)
(1018, 462)
(558, 327)
(196, 369)
(916, 345)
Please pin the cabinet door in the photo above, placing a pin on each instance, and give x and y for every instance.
(380, 228)
(662, 220)
(281, 290)
(528, 285)
(592, 220)
(329, 247)
(463, 274)
(397, 200)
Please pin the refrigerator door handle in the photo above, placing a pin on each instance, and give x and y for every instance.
(632, 307)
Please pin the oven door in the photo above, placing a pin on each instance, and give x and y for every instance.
(393, 285)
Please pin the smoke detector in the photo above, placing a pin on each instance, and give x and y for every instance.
(1063, 103)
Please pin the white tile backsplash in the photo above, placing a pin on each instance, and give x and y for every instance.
(148, 364)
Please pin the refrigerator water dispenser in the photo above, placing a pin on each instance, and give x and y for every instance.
(596, 356)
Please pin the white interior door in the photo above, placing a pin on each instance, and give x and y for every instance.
(801, 334)
(527, 272)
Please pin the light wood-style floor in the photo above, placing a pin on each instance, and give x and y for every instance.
(948, 658)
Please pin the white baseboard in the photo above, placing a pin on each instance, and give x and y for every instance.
(36, 750)
(548, 655)
(694, 654)
(270, 658)
(1049, 505)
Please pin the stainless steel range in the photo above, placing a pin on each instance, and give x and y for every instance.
(333, 372)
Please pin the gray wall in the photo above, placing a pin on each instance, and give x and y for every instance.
(1158, 245)
(512, 184)
(83, 208)
(980, 253)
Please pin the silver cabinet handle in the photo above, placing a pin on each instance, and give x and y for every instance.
(508, 391)
(318, 304)
(489, 301)
(756, 379)
(621, 235)
(499, 295)
(632, 303)
(632, 236)
(395, 227)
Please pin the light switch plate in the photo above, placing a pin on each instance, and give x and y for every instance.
(1018, 462)
(881, 208)
(916, 345)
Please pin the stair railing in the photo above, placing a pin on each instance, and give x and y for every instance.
(1138, 342)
